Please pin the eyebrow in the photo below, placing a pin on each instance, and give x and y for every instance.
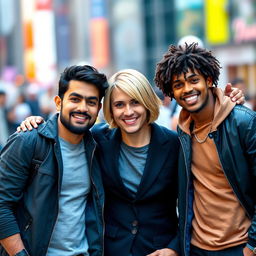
(190, 76)
(74, 94)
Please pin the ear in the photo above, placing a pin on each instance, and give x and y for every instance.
(58, 102)
(209, 82)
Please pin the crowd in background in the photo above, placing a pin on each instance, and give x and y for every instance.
(20, 99)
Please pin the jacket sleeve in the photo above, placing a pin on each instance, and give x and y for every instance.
(15, 161)
(174, 244)
(251, 156)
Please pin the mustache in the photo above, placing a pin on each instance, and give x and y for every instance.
(81, 113)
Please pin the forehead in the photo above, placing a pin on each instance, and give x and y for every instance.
(119, 94)
(82, 88)
(185, 75)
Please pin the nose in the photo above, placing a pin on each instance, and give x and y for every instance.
(188, 87)
(83, 106)
(128, 110)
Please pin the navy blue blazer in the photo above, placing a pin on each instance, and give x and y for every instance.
(147, 222)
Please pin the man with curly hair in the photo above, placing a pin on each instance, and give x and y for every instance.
(217, 163)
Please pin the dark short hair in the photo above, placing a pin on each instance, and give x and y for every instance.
(84, 73)
(179, 59)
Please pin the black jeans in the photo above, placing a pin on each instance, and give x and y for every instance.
(233, 251)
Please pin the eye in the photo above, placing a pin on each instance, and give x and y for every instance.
(194, 80)
(118, 104)
(74, 99)
(135, 102)
(177, 85)
(92, 103)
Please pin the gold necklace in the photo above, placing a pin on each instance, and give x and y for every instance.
(205, 138)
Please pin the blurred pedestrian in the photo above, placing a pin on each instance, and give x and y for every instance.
(164, 118)
(18, 112)
(240, 84)
(51, 201)
(217, 164)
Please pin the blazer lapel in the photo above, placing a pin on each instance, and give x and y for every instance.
(111, 149)
(155, 159)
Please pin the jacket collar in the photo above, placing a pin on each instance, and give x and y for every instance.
(155, 159)
(49, 130)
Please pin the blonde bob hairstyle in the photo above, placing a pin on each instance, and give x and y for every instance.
(137, 87)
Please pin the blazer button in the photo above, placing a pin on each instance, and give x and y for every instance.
(134, 231)
(135, 223)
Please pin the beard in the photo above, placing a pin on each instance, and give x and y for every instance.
(73, 128)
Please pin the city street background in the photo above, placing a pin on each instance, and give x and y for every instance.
(39, 38)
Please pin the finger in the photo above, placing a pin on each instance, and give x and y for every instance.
(235, 91)
(241, 100)
(33, 122)
(23, 126)
(228, 89)
(238, 95)
(18, 129)
(39, 119)
(156, 253)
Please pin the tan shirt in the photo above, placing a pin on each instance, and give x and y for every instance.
(219, 219)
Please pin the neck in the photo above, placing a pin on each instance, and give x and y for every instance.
(138, 139)
(68, 136)
(207, 113)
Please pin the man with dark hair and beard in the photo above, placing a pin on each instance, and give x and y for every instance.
(51, 195)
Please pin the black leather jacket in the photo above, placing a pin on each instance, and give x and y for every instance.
(235, 141)
(29, 202)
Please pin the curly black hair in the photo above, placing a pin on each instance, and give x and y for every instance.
(179, 59)
(83, 73)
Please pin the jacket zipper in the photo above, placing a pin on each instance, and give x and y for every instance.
(186, 213)
(230, 183)
(102, 212)
(28, 225)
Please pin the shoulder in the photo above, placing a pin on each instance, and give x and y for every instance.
(22, 143)
(102, 131)
(165, 131)
(242, 114)
(164, 135)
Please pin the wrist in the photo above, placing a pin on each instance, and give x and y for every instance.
(23, 252)
(253, 249)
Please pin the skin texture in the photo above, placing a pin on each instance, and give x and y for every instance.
(191, 91)
(78, 110)
(131, 117)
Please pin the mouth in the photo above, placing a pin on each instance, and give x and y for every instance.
(130, 121)
(191, 99)
(80, 118)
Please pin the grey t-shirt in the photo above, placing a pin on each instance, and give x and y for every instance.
(69, 236)
(131, 165)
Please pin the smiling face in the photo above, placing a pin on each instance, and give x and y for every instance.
(78, 109)
(191, 90)
(128, 114)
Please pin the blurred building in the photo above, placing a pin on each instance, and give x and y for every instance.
(231, 33)
(41, 37)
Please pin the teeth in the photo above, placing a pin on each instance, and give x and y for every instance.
(129, 121)
(191, 98)
(81, 117)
